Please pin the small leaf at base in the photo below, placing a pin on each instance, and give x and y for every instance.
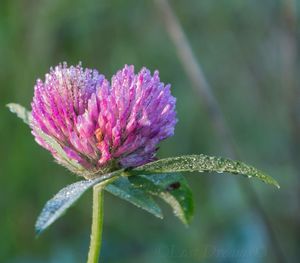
(172, 188)
(65, 198)
(123, 189)
(20, 111)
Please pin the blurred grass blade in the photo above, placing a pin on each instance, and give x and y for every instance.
(65, 198)
(123, 189)
(172, 188)
(20, 111)
(202, 163)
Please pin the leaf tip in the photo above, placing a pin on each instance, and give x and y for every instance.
(272, 181)
(9, 106)
(160, 216)
(37, 231)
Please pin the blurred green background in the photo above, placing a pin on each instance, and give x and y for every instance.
(249, 54)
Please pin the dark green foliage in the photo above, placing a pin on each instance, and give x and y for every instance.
(172, 188)
(123, 189)
(65, 198)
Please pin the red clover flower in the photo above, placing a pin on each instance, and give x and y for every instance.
(102, 125)
(96, 128)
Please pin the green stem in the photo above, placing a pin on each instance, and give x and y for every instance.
(97, 224)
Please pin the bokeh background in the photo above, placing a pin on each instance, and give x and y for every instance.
(249, 54)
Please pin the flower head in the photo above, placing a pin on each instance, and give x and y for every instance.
(102, 125)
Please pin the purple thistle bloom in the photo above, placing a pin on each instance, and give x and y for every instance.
(99, 125)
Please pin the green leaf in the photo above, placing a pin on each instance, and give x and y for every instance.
(172, 188)
(70, 164)
(64, 160)
(202, 163)
(65, 198)
(20, 111)
(123, 189)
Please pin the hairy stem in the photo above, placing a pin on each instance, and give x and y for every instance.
(97, 224)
